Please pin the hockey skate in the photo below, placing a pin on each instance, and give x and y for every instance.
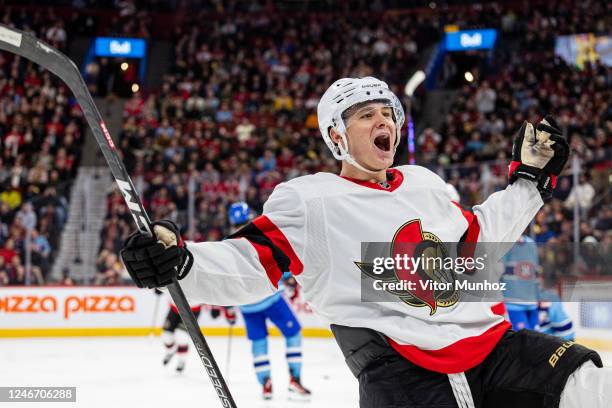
(168, 357)
(297, 392)
(180, 367)
(267, 389)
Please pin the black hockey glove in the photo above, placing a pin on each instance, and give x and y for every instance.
(154, 261)
(539, 155)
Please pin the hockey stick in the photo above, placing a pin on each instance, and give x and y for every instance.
(27, 46)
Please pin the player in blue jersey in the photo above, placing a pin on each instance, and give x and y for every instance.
(521, 266)
(275, 309)
(553, 319)
(529, 306)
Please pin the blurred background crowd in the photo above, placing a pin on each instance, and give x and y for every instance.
(236, 113)
(41, 130)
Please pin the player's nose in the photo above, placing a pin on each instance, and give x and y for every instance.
(383, 121)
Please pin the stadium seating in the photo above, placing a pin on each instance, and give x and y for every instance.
(41, 131)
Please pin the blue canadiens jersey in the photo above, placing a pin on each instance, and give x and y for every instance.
(553, 318)
(521, 266)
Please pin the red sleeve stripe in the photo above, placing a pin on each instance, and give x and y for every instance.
(273, 249)
(268, 262)
(277, 237)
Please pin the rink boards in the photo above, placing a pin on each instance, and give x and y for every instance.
(128, 311)
(110, 311)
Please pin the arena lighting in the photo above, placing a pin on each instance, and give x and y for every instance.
(124, 66)
(135, 88)
(468, 76)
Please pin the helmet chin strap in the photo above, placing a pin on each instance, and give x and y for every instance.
(349, 159)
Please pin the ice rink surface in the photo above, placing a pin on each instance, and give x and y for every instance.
(127, 372)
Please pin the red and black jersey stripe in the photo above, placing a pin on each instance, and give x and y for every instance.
(276, 254)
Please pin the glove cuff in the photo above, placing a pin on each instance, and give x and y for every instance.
(185, 267)
(545, 182)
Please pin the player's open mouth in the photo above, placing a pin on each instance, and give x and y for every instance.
(383, 142)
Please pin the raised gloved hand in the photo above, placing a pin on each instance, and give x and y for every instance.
(154, 261)
(539, 155)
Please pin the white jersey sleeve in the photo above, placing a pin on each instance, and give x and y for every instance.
(505, 214)
(246, 267)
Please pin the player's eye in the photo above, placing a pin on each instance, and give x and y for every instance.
(367, 115)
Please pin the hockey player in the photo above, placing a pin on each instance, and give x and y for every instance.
(521, 274)
(552, 316)
(428, 348)
(555, 321)
(175, 337)
(275, 309)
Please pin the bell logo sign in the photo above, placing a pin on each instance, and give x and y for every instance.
(120, 47)
(474, 40)
(470, 40)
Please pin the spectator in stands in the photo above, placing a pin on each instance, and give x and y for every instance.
(583, 194)
(485, 98)
(8, 252)
(4, 278)
(40, 128)
(27, 217)
(56, 35)
(41, 250)
(109, 269)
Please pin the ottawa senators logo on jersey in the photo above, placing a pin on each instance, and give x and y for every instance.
(433, 286)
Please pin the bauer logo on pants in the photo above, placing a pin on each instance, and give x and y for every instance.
(554, 358)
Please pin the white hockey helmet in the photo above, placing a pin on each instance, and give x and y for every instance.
(345, 93)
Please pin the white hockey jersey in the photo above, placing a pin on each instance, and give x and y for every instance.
(314, 225)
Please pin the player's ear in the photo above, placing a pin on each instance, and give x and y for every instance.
(335, 136)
